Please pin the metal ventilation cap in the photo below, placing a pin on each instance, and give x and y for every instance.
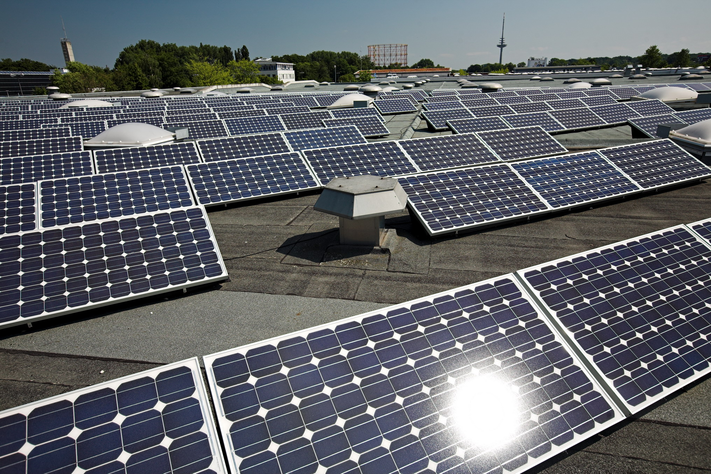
(87, 103)
(351, 87)
(130, 135)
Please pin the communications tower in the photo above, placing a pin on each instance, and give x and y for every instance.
(67, 47)
(502, 44)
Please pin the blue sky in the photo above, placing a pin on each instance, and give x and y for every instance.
(453, 33)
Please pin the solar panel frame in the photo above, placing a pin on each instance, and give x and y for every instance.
(153, 420)
(628, 307)
(203, 129)
(43, 146)
(693, 116)
(35, 133)
(492, 111)
(650, 107)
(305, 120)
(517, 99)
(614, 113)
(592, 101)
(357, 112)
(256, 124)
(448, 151)
(656, 164)
(572, 180)
(451, 104)
(124, 159)
(392, 415)
(541, 119)
(528, 107)
(384, 158)
(479, 101)
(518, 143)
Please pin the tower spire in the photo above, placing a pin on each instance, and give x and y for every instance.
(502, 43)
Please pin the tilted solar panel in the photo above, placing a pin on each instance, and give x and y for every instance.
(251, 125)
(648, 125)
(530, 107)
(306, 120)
(154, 421)
(122, 159)
(324, 137)
(462, 199)
(437, 119)
(471, 102)
(40, 147)
(280, 110)
(472, 380)
(377, 159)
(638, 309)
(615, 113)
(394, 106)
(35, 133)
(155, 121)
(573, 119)
(204, 129)
(17, 208)
(449, 151)
(28, 169)
(228, 114)
(693, 116)
(25, 124)
(518, 143)
(563, 104)
(572, 95)
(542, 119)
(598, 100)
(656, 163)
(444, 105)
(225, 181)
(650, 107)
(477, 124)
(570, 180)
(492, 111)
(112, 195)
(545, 97)
(71, 268)
(357, 112)
(240, 147)
(368, 126)
(512, 100)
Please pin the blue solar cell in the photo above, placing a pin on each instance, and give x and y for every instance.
(598, 100)
(155, 121)
(693, 116)
(492, 111)
(83, 431)
(240, 147)
(83, 199)
(437, 119)
(28, 169)
(323, 138)
(122, 159)
(377, 159)
(449, 151)
(443, 105)
(190, 117)
(251, 125)
(541, 119)
(305, 120)
(517, 99)
(529, 107)
(199, 130)
(615, 113)
(650, 107)
(72, 268)
(463, 199)
(638, 310)
(228, 114)
(35, 134)
(657, 163)
(26, 124)
(577, 118)
(483, 101)
(477, 124)
(281, 109)
(17, 208)
(368, 126)
(248, 178)
(480, 390)
(518, 143)
(545, 97)
(40, 146)
(394, 106)
(570, 180)
(356, 112)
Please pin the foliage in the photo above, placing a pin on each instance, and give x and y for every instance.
(23, 64)
(462, 72)
(347, 78)
(423, 63)
(242, 54)
(245, 72)
(82, 78)
(318, 65)
(205, 74)
(652, 57)
(489, 67)
(39, 91)
(680, 59)
(365, 76)
(521, 64)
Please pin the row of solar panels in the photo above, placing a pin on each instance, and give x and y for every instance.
(620, 92)
(574, 114)
(497, 375)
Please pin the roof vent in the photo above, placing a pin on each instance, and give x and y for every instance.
(390, 89)
(351, 87)
(616, 76)
(361, 204)
(130, 135)
(59, 96)
(490, 86)
(371, 89)
(668, 94)
(87, 103)
(638, 76)
(546, 79)
(536, 78)
(243, 90)
(691, 77)
(408, 86)
(602, 81)
(571, 80)
(152, 94)
(470, 85)
(384, 83)
(580, 85)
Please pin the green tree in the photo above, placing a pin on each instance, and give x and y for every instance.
(347, 78)
(365, 76)
(474, 69)
(23, 64)
(521, 64)
(130, 78)
(462, 72)
(245, 72)
(683, 59)
(652, 57)
(557, 62)
(82, 78)
(205, 74)
(424, 63)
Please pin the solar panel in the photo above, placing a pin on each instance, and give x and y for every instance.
(470, 380)
(326, 100)
(598, 100)
(84, 118)
(444, 105)
(599, 92)
(476, 124)
(305, 101)
(700, 87)
(530, 107)
(442, 98)
(656, 163)
(648, 125)
(472, 102)
(513, 100)
(577, 118)
(546, 97)
(437, 119)
(240, 147)
(169, 119)
(28, 169)
(280, 110)
(40, 146)
(517, 143)
(17, 208)
(251, 125)
(122, 159)
(35, 134)
(492, 111)
(324, 137)
(462, 199)
(572, 95)
(71, 268)
(377, 159)
(693, 116)
(448, 151)
(199, 130)
(86, 130)
(368, 126)
(542, 119)
(638, 310)
(75, 200)
(306, 120)
(566, 104)
(570, 180)
(625, 93)
(357, 112)
(242, 113)
(615, 113)
(155, 421)
(25, 124)
(419, 95)
(650, 107)
(225, 181)
(394, 106)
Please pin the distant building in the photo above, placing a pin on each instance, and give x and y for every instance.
(68, 51)
(420, 72)
(537, 62)
(282, 71)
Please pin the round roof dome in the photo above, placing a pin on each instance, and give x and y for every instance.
(59, 96)
(277, 88)
(638, 76)
(491, 86)
(691, 76)
(536, 78)
(187, 90)
(699, 132)
(571, 80)
(390, 89)
(470, 85)
(324, 83)
(384, 83)
(129, 135)
(602, 81)
(580, 85)
(371, 88)
(546, 78)
(616, 76)
(152, 94)
(685, 73)
(348, 100)
(88, 103)
(244, 90)
(351, 87)
(408, 86)
(668, 94)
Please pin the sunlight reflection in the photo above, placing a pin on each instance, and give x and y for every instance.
(486, 411)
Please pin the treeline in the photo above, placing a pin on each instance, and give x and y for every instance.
(319, 65)
(23, 64)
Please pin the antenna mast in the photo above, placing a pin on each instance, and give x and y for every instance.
(502, 44)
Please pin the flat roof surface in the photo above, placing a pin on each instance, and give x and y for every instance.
(288, 272)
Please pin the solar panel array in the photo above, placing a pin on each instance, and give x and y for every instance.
(369, 126)
(449, 151)
(477, 124)
(35, 133)
(649, 125)
(518, 143)
(122, 159)
(394, 106)
(322, 138)
(29, 169)
(40, 146)
(239, 147)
